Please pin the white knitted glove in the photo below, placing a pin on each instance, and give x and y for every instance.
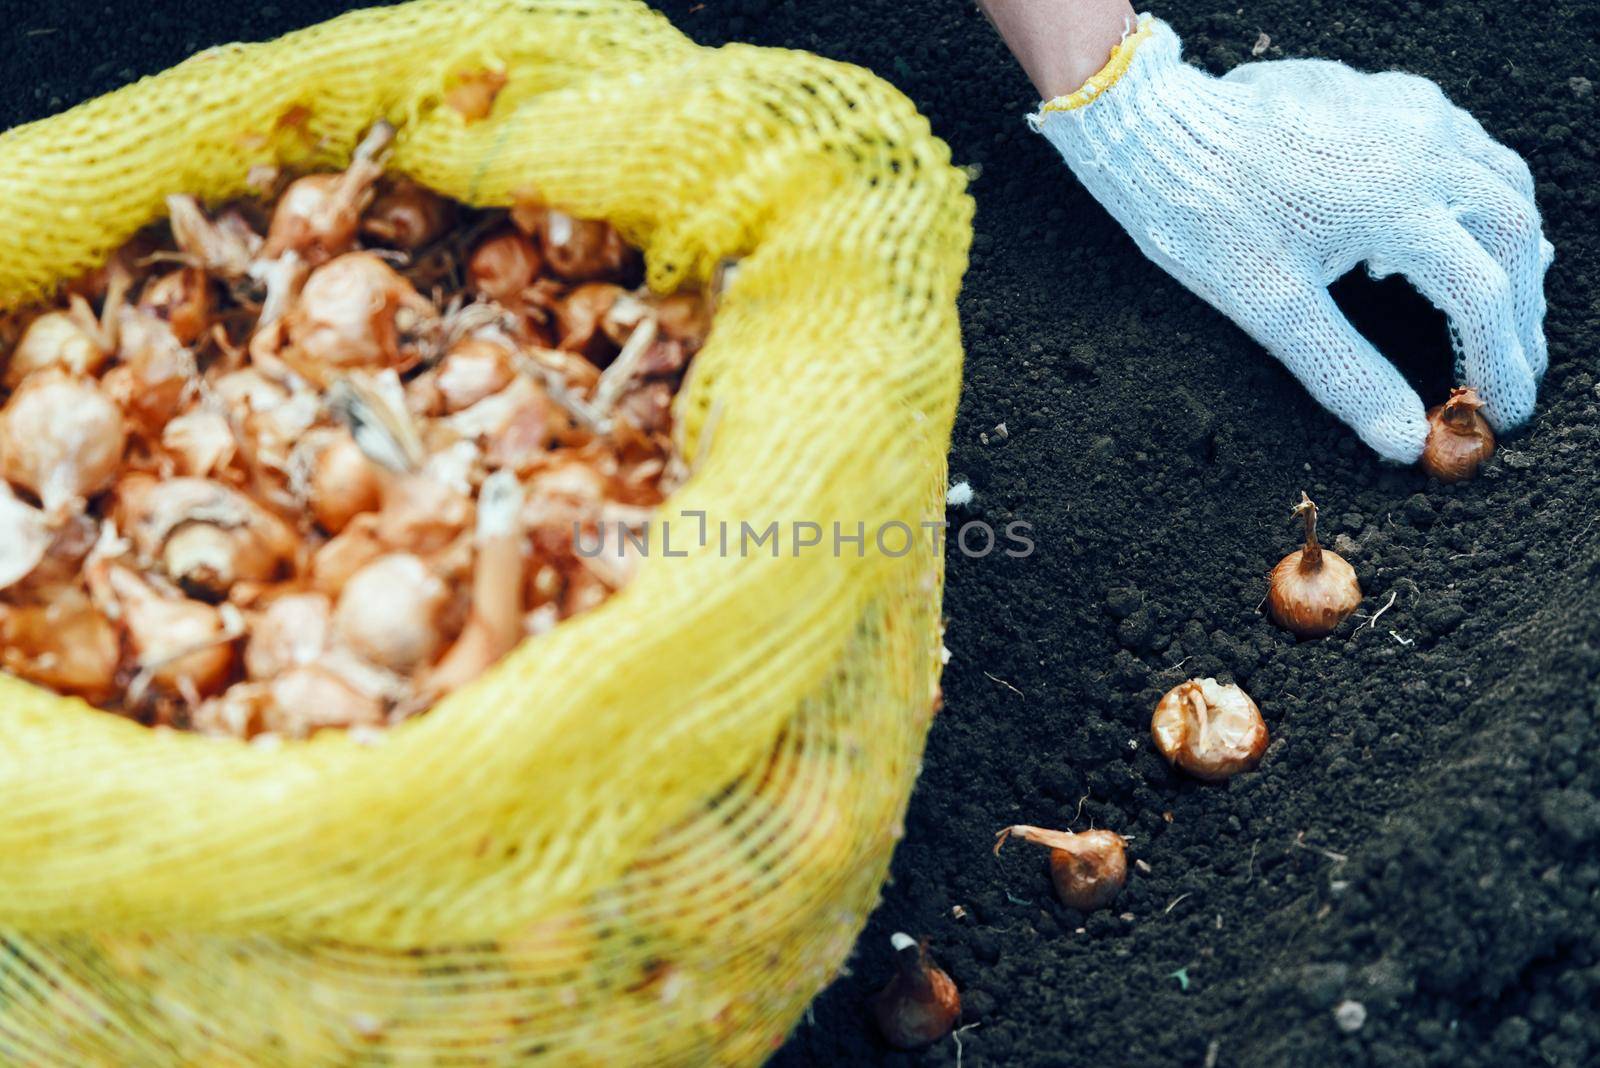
(1258, 189)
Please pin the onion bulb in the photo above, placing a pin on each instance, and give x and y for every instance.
(1459, 438)
(208, 536)
(310, 698)
(683, 318)
(200, 441)
(66, 645)
(352, 549)
(61, 439)
(156, 374)
(579, 250)
(1209, 729)
(296, 704)
(1088, 868)
(501, 267)
(422, 513)
(471, 371)
(291, 631)
(318, 215)
(207, 560)
(335, 478)
(343, 485)
(183, 646)
(183, 300)
(1312, 589)
(311, 220)
(920, 1004)
(407, 216)
(391, 613)
(65, 340)
(582, 312)
(354, 311)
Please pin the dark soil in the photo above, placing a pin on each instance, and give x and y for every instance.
(1424, 834)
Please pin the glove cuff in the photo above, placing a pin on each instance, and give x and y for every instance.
(1149, 44)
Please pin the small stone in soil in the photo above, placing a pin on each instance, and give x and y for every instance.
(1350, 1016)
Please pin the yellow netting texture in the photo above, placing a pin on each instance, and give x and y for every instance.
(652, 835)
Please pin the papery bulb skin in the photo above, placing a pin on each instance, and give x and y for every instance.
(582, 250)
(1209, 729)
(1459, 438)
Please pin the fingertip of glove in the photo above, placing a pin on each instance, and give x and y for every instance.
(1400, 435)
(1506, 413)
(1401, 453)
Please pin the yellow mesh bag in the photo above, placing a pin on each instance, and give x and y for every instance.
(652, 835)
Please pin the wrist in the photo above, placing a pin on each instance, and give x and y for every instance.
(1060, 43)
(1102, 78)
(1102, 25)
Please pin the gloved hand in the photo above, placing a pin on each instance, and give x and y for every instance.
(1258, 189)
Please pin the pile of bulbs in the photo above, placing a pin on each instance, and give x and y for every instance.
(317, 458)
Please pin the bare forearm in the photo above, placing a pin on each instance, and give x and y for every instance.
(1060, 43)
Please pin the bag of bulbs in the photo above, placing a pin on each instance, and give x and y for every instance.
(424, 633)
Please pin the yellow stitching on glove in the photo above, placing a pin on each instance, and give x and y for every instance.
(1106, 76)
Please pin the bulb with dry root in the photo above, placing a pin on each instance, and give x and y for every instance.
(1210, 729)
(1313, 589)
(1088, 868)
(1459, 438)
(920, 1004)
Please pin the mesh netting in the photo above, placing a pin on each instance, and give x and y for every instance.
(651, 835)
